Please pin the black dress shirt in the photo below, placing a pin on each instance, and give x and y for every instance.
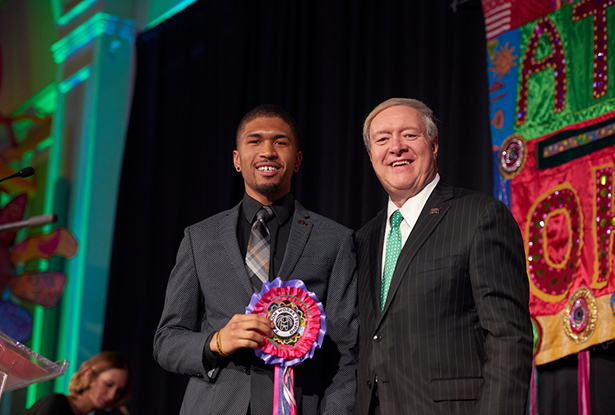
(278, 225)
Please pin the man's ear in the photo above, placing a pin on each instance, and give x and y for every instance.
(298, 158)
(236, 160)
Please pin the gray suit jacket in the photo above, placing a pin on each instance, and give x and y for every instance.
(455, 335)
(209, 284)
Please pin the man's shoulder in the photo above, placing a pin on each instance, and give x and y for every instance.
(320, 222)
(480, 199)
(323, 222)
(215, 220)
(456, 194)
(477, 204)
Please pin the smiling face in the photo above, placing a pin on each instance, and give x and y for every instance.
(106, 388)
(267, 155)
(400, 151)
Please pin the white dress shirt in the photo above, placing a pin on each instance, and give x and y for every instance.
(410, 212)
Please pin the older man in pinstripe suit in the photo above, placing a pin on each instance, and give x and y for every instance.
(204, 331)
(443, 289)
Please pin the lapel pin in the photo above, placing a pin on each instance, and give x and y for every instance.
(434, 211)
(302, 222)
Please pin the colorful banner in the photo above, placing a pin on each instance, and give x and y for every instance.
(553, 136)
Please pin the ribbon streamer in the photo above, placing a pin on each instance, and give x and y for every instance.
(584, 400)
(283, 391)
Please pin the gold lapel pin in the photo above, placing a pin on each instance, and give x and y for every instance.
(302, 222)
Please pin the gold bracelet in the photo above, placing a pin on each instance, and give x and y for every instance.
(220, 351)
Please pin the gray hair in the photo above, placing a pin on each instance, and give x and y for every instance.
(428, 117)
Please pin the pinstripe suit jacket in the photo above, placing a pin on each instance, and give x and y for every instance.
(455, 335)
(209, 284)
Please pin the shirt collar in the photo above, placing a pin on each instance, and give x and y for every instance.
(283, 208)
(413, 206)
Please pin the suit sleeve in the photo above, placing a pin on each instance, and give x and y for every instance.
(342, 328)
(179, 344)
(501, 293)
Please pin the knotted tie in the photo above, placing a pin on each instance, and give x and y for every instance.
(392, 252)
(258, 252)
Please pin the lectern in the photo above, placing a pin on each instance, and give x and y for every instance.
(21, 367)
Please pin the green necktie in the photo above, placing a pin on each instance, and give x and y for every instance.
(392, 252)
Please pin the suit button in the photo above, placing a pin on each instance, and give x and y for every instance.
(377, 338)
(369, 384)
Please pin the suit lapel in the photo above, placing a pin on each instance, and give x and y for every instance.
(433, 212)
(300, 229)
(228, 237)
(375, 247)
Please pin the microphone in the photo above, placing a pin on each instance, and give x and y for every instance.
(31, 222)
(25, 172)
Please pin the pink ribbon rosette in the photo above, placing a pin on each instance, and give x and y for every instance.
(300, 328)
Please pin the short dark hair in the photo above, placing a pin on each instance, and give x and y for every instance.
(268, 111)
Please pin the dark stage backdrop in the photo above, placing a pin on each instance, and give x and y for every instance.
(326, 62)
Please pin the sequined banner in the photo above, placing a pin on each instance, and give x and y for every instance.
(553, 136)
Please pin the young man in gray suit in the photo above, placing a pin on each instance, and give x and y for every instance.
(204, 331)
(443, 289)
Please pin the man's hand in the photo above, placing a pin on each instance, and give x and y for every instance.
(243, 330)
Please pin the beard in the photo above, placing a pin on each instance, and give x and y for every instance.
(268, 188)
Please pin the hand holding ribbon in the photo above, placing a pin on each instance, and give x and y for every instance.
(243, 330)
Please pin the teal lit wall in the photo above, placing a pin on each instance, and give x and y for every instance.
(79, 56)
